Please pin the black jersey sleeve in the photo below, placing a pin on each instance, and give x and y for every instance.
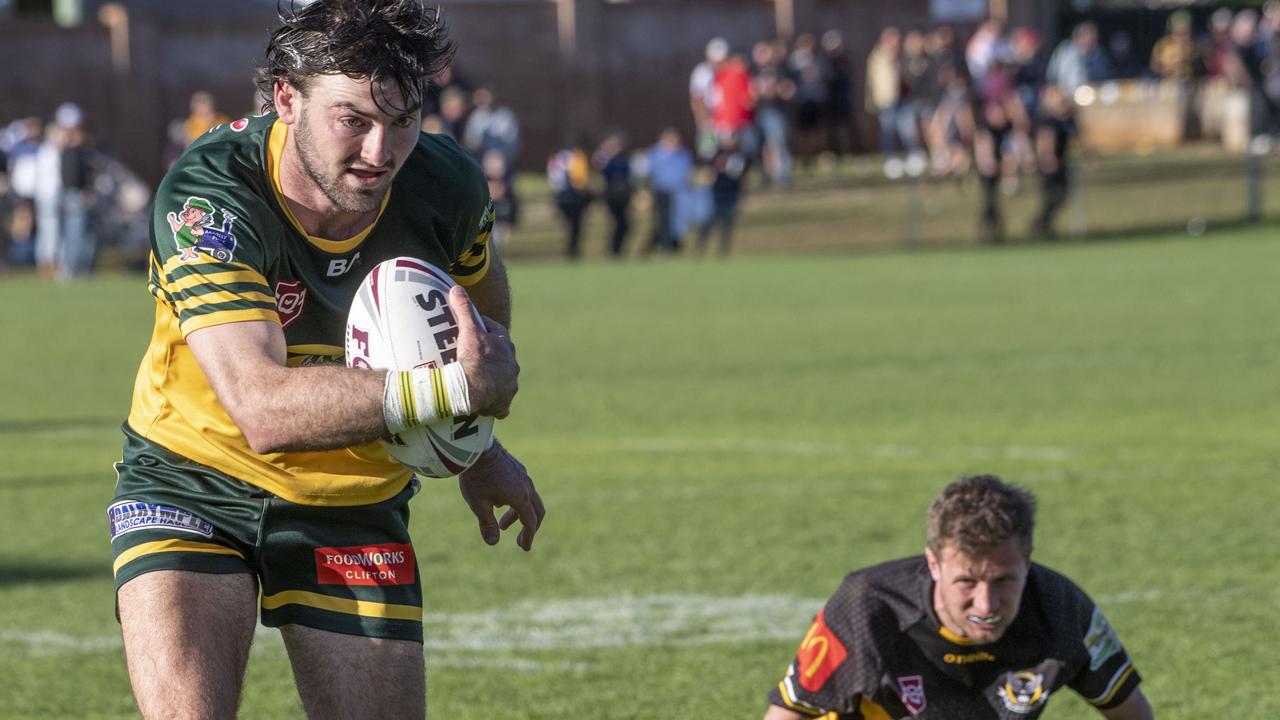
(207, 259)
(473, 262)
(1104, 675)
(838, 664)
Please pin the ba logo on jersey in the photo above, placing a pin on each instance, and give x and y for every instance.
(821, 652)
(911, 690)
(1023, 691)
(194, 230)
(290, 297)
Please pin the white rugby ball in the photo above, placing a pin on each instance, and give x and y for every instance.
(401, 320)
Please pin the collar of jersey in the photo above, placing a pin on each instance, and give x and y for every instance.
(275, 150)
(957, 639)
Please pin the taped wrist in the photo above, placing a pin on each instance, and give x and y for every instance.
(412, 398)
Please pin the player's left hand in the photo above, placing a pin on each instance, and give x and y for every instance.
(499, 480)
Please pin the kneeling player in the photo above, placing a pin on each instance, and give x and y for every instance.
(973, 629)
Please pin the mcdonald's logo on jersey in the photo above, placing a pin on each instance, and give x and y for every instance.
(821, 652)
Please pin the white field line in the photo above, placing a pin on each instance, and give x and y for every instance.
(492, 638)
(890, 451)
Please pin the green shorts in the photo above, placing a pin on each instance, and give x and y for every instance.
(349, 570)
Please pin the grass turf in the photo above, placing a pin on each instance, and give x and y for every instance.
(718, 443)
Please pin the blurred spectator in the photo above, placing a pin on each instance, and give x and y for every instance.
(24, 147)
(702, 95)
(774, 91)
(1079, 60)
(501, 193)
(491, 127)
(453, 112)
(670, 169)
(885, 100)
(614, 165)
(734, 111)
(1055, 128)
(730, 166)
(447, 79)
(985, 45)
(951, 127)
(1030, 63)
(808, 67)
(1000, 120)
(202, 115)
(839, 106)
(78, 235)
(917, 79)
(569, 174)
(1173, 57)
(1243, 66)
(1215, 49)
(48, 200)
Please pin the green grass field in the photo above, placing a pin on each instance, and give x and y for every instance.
(718, 443)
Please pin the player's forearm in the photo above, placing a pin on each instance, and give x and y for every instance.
(492, 295)
(309, 408)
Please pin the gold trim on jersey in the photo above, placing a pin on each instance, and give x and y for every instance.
(1117, 682)
(350, 606)
(317, 349)
(275, 151)
(474, 263)
(952, 637)
(161, 546)
(872, 710)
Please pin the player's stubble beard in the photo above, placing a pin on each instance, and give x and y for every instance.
(344, 198)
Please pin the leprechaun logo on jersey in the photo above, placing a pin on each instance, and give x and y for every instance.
(193, 229)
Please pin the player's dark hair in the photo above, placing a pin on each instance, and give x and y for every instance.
(976, 514)
(400, 42)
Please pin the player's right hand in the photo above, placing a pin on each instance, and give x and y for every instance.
(488, 358)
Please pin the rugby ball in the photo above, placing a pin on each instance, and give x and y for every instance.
(400, 320)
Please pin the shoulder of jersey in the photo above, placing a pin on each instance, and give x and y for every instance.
(438, 161)
(890, 586)
(229, 153)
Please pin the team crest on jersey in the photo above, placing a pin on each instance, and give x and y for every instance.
(194, 229)
(239, 125)
(1101, 640)
(1023, 691)
(911, 690)
(290, 297)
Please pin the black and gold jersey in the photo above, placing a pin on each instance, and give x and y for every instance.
(878, 652)
(226, 248)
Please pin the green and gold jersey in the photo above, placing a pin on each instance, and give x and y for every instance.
(225, 248)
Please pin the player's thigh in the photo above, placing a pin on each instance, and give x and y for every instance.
(186, 639)
(349, 676)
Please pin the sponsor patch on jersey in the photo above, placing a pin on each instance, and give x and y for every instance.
(386, 564)
(129, 515)
(290, 297)
(195, 230)
(821, 652)
(911, 690)
(1023, 691)
(240, 125)
(1101, 640)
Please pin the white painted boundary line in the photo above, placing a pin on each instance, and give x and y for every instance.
(495, 638)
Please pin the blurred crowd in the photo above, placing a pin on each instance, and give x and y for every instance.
(62, 199)
(994, 108)
(999, 105)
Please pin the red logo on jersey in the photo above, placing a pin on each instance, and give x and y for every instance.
(240, 125)
(290, 297)
(820, 654)
(911, 688)
(389, 564)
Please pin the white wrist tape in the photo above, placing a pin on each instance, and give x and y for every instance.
(411, 398)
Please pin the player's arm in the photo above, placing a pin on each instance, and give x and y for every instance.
(1135, 707)
(279, 408)
(780, 713)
